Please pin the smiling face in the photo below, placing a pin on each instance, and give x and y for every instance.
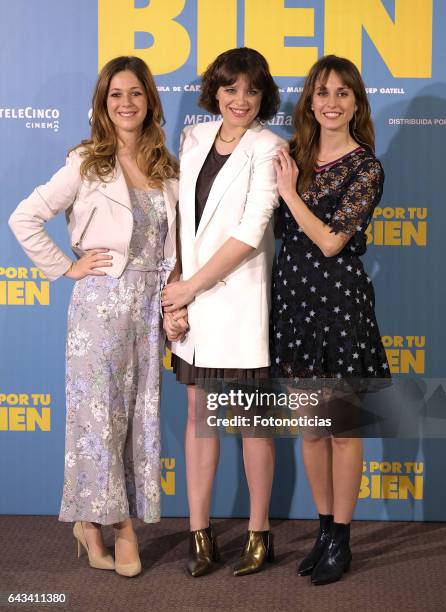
(239, 103)
(126, 102)
(333, 103)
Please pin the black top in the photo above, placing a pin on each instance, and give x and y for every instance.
(213, 163)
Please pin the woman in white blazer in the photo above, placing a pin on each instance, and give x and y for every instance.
(228, 194)
(119, 193)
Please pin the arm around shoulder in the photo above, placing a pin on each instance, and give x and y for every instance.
(263, 196)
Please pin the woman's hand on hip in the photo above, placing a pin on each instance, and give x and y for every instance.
(287, 173)
(86, 265)
(176, 295)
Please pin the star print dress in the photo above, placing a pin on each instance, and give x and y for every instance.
(323, 323)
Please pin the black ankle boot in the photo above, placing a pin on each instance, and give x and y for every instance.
(336, 558)
(203, 552)
(308, 564)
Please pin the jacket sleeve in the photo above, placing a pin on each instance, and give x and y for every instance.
(44, 203)
(263, 196)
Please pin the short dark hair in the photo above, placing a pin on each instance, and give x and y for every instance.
(224, 71)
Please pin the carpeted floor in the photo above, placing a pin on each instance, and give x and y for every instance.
(396, 566)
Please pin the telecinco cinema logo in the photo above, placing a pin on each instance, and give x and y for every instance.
(33, 118)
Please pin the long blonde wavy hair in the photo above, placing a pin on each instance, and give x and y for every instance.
(99, 151)
(304, 145)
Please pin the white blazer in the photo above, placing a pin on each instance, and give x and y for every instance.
(98, 214)
(229, 323)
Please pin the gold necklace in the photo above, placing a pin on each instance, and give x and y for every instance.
(232, 139)
(221, 137)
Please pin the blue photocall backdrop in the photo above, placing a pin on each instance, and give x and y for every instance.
(51, 53)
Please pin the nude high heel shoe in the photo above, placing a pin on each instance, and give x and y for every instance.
(129, 569)
(105, 563)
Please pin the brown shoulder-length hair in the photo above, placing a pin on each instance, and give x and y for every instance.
(304, 144)
(99, 151)
(224, 71)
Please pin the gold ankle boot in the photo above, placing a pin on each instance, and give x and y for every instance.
(105, 563)
(203, 552)
(257, 551)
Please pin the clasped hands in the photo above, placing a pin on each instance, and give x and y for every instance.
(174, 299)
(176, 325)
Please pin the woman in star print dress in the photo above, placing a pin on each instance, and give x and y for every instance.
(323, 320)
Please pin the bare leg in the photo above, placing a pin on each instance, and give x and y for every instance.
(258, 457)
(202, 454)
(126, 543)
(317, 456)
(347, 472)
